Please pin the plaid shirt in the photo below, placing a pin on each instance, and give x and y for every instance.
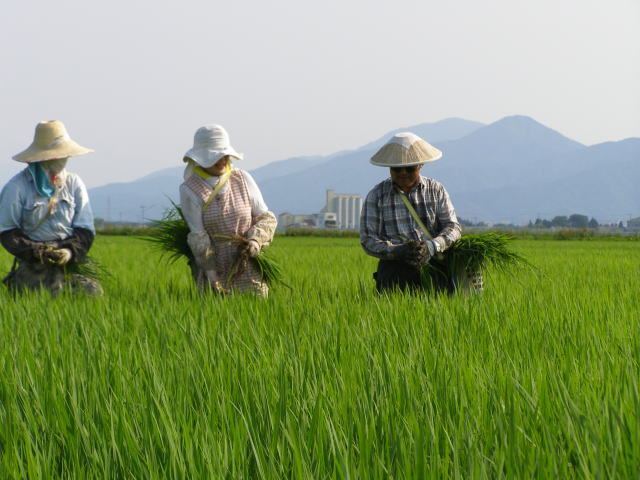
(385, 221)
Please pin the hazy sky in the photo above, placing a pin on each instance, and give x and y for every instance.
(134, 79)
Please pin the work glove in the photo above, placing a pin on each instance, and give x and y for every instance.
(252, 248)
(57, 256)
(207, 280)
(415, 253)
(214, 281)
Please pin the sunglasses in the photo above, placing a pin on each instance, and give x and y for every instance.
(408, 169)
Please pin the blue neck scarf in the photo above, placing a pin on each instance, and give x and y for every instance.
(41, 180)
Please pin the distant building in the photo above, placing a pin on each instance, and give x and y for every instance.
(347, 207)
(326, 220)
(342, 212)
(291, 220)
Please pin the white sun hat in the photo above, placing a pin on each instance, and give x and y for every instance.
(210, 144)
(51, 141)
(405, 150)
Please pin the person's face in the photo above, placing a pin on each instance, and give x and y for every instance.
(56, 165)
(217, 168)
(405, 177)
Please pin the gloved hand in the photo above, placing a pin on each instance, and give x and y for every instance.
(415, 253)
(252, 248)
(207, 280)
(57, 256)
(214, 281)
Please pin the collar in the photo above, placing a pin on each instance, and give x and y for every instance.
(199, 171)
(422, 182)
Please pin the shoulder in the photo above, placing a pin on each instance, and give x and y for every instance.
(192, 181)
(243, 174)
(18, 182)
(379, 190)
(248, 178)
(73, 181)
(432, 184)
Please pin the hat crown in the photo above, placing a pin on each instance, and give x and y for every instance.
(211, 137)
(50, 132)
(405, 139)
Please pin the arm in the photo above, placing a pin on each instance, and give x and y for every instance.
(83, 215)
(22, 247)
(198, 239)
(203, 261)
(263, 221)
(371, 238)
(11, 205)
(79, 243)
(450, 228)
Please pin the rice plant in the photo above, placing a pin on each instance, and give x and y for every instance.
(470, 255)
(536, 378)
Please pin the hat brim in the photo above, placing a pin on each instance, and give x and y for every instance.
(207, 158)
(35, 154)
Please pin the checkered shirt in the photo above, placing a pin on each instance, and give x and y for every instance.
(385, 221)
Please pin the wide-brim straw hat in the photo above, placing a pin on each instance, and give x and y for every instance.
(210, 144)
(50, 141)
(405, 149)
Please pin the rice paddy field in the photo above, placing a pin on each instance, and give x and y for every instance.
(538, 377)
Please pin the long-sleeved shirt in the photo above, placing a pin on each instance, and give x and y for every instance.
(21, 207)
(385, 221)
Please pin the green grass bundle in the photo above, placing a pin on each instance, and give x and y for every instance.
(270, 269)
(169, 235)
(471, 255)
(89, 268)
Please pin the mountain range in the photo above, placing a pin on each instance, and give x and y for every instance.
(512, 170)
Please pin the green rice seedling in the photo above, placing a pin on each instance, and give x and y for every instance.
(90, 268)
(471, 254)
(536, 378)
(169, 235)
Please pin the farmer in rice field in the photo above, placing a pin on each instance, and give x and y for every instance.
(390, 231)
(228, 220)
(46, 221)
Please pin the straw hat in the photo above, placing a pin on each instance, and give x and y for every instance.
(50, 141)
(405, 150)
(210, 144)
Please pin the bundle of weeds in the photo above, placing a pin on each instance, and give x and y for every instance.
(473, 253)
(169, 235)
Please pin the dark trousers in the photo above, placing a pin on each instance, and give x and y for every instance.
(396, 274)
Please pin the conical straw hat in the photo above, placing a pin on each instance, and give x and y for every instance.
(50, 141)
(405, 150)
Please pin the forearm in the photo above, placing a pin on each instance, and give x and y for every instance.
(448, 236)
(79, 243)
(377, 247)
(450, 230)
(21, 246)
(263, 229)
